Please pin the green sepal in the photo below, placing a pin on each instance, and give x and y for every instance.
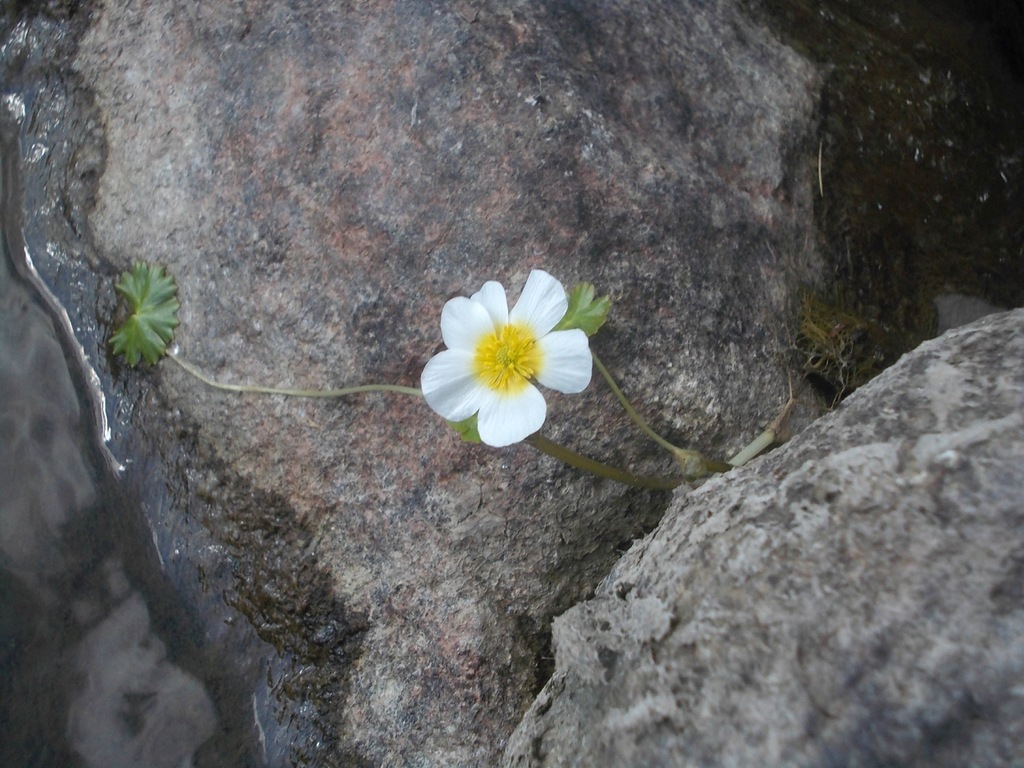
(585, 312)
(152, 297)
(467, 429)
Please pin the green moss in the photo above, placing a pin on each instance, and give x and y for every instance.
(289, 599)
(839, 350)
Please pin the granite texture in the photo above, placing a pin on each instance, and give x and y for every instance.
(855, 598)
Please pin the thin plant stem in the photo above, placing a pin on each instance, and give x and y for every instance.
(754, 448)
(538, 441)
(763, 441)
(342, 392)
(587, 464)
(693, 462)
(636, 417)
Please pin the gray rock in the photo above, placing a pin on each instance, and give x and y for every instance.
(955, 309)
(855, 598)
(321, 178)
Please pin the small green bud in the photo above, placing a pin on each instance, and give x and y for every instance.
(467, 429)
(585, 312)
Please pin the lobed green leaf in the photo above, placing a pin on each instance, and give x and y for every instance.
(152, 297)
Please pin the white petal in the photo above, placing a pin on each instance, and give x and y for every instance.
(492, 296)
(463, 322)
(507, 419)
(449, 386)
(567, 362)
(542, 303)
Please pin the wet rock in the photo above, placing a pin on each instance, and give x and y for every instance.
(321, 178)
(87, 679)
(854, 598)
(45, 479)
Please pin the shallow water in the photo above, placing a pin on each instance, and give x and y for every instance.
(85, 676)
(102, 663)
(169, 567)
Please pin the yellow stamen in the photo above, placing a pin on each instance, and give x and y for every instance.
(507, 359)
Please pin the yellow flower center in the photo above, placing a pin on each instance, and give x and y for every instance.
(507, 359)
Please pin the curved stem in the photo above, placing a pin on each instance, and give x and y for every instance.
(693, 462)
(208, 380)
(636, 417)
(763, 441)
(587, 464)
(538, 441)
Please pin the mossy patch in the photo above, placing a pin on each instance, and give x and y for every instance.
(839, 350)
(921, 174)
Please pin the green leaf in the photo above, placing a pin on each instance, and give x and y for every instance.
(152, 296)
(585, 312)
(467, 429)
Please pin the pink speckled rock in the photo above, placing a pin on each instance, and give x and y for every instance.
(321, 178)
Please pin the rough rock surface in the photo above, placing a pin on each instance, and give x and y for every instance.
(320, 178)
(855, 598)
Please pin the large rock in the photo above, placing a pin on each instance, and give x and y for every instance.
(320, 178)
(856, 598)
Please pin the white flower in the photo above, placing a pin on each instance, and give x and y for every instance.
(494, 356)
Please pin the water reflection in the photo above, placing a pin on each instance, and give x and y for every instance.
(136, 708)
(42, 472)
(79, 655)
